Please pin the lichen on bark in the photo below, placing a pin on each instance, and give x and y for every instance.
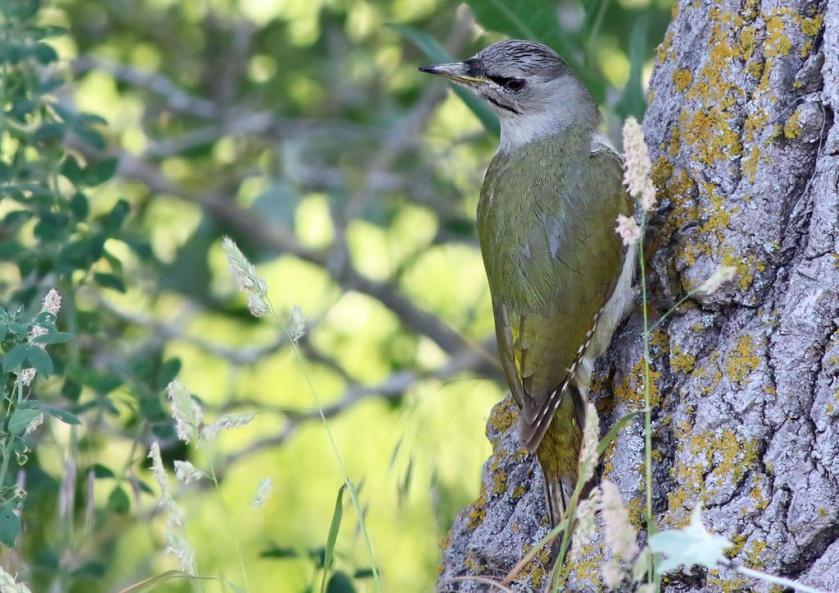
(746, 162)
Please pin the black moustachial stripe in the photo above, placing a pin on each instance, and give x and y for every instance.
(502, 106)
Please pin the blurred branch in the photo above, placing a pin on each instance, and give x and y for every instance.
(406, 132)
(392, 387)
(238, 356)
(274, 237)
(176, 98)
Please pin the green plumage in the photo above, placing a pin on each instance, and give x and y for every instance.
(546, 224)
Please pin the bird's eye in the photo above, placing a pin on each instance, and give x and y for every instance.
(515, 84)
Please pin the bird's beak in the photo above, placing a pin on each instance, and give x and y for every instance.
(459, 72)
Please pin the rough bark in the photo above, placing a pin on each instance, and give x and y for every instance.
(746, 380)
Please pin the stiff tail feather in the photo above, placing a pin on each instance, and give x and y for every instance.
(558, 452)
(557, 493)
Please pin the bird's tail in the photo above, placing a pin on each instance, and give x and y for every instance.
(559, 452)
(557, 493)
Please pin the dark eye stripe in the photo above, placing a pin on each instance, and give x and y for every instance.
(500, 80)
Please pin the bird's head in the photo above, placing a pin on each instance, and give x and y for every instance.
(527, 84)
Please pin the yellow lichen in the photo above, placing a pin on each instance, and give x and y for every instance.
(716, 460)
(746, 266)
(477, 513)
(754, 555)
(727, 584)
(792, 127)
(750, 162)
(503, 416)
(499, 482)
(631, 389)
(681, 362)
(682, 79)
(777, 42)
(742, 359)
(759, 498)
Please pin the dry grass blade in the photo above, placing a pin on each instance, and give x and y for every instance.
(477, 579)
(171, 575)
(531, 554)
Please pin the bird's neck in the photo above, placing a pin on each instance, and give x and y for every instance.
(570, 106)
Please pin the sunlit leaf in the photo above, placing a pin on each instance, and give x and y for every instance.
(10, 526)
(332, 538)
(109, 281)
(14, 357)
(20, 419)
(118, 501)
(340, 582)
(101, 172)
(688, 546)
(53, 338)
(40, 360)
(61, 414)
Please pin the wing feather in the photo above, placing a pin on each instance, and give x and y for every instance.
(547, 302)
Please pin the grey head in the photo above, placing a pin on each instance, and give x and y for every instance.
(528, 85)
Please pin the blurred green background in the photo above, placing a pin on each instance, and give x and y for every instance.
(302, 129)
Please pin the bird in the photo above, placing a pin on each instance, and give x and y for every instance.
(560, 278)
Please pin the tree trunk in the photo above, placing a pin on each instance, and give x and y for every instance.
(745, 380)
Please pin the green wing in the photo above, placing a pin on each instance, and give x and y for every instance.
(552, 258)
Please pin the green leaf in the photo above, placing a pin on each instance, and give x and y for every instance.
(10, 526)
(93, 569)
(79, 205)
(14, 357)
(340, 583)
(168, 371)
(364, 573)
(92, 118)
(100, 380)
(118, 501)
(49, 132)
(435, 52)
(109, 281)
(100, 172)
(44, 53)
(62, 414)
(53, 338)
(688, 546)
(279, 552)
(72, 170)
(21, 418)
(332, 538)
(101, 471)
(632, 101)
(71, 390)
(40, 360)
(113, 221)
(48, 84)
(91, 137)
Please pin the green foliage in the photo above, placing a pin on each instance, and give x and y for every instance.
(302, 130)
(332, 538)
